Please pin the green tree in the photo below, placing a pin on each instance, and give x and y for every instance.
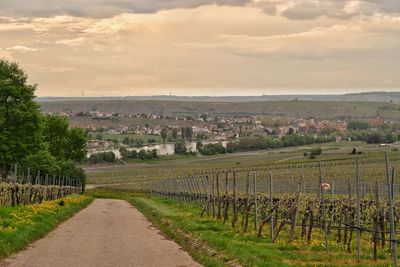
(164, 134)
(42, 161)
(189, 132)
(64, 143)
(180, 148)
(77, 145)
(175, 133)
(20, 119)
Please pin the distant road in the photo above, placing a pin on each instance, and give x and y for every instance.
(107, 233)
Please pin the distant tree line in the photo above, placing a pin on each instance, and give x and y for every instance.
(261, 142)
(142, 154)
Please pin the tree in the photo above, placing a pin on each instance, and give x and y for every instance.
(64, 143)
(20, 119)
(189, 132)
(164, 134)
(42, 161)
(71, 170)
(124, 153)
(77, 145)
(142, 154)
(175, 133)
(180, 148)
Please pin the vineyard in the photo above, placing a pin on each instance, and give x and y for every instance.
(351, 204)
(20, 188)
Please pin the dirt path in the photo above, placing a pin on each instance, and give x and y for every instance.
(107, 233)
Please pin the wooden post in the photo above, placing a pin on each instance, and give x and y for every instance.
(358, 208)
(255, 201)
(377, 207)
(271, 204)
(390, 179)
(213, 195)
(29, 176)
(15, 173)
(234, 200)
(323, 208)
(218, 199)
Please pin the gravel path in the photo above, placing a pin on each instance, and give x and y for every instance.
(106, 233)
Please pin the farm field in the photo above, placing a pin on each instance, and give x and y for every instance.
(179, 166)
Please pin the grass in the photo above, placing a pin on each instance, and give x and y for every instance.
(21, 225)
(212, 243)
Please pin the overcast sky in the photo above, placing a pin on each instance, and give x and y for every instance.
(203, 47)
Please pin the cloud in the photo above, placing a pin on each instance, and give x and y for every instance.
(100, 8)
(255, 45)
(72, 42)
(21, 49)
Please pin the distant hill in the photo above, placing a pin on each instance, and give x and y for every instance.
(295, 108)
(393, 97)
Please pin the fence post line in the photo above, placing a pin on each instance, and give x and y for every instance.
(358, 208)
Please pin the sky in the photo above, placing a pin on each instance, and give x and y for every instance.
(203, 47)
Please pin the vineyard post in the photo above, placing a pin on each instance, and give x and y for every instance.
(29, 175)
(213, 195)
(255, 201)
(323, 208)
(226, 200)
(358, 208)
(37, 177)
(271, 200)
(391, 213)
(218, 198)
(376, 219)
(234, 199)
(208, 195)
(15, 173)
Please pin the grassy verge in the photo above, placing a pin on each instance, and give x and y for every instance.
(21, 225)
(212, 243)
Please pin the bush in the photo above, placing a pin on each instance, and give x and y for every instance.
(180, 148)
(102, 157)
(315, 152)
